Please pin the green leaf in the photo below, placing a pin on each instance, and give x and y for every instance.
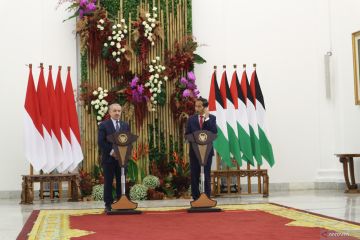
(132, 170)
(198, 59)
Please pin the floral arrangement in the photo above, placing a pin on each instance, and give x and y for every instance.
(100, 105)
(85, 183)
(98, 192)
(151, 182)
(155, 83)
(138, 192)
(115, 50)
(146, 32)
(183, 59)
(184, 96)
(81, 7)
(181, 175)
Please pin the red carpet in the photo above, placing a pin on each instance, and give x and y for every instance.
(249, 225)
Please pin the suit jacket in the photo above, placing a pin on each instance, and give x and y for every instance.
(193, 125)
(106, 128)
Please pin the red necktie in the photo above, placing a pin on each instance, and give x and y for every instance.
(201, 121)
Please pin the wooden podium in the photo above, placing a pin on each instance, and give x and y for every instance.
(122, 146)
(201, 142)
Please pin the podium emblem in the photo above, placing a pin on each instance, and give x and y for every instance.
(203, 137)
(122, 138)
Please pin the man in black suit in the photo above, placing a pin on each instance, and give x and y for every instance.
(205, 121)
(109, 164)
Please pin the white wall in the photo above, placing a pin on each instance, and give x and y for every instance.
(286, 38)
(31, 32)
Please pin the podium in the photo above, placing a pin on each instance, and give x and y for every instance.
(122, 146)
(201, 142)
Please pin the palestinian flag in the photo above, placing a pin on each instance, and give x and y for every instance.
(217, 108)
(265, 145)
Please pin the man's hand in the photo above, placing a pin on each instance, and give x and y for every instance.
(112, 153)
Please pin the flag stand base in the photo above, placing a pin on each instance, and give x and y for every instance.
(123, 207)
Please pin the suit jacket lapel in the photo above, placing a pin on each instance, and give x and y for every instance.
(197, 123)
(111, 125)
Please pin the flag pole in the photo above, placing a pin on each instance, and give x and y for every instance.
(235, 66)
(254, 65)
(224, 66)
(244, 65)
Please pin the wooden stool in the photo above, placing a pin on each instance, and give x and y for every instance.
(348, 165)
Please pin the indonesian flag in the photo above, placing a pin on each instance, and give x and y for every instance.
(251, 113)
(265, 145)
(46, 122)
(217, 108)
(231, 123)
(55, 122)
(77, 154)
(34, 136)
(64, 124)
(242, 119)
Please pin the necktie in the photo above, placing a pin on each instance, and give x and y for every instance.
(117, 129)
(201, 121)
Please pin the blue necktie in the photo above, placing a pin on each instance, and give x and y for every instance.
(117, 129)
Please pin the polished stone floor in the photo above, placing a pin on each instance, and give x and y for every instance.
(331, 203)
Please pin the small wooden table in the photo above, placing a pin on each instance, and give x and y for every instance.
(27, 193)
(348, 165)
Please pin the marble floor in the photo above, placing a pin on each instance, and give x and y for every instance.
(327, 202)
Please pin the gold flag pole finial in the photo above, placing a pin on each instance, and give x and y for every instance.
(41, 65)
(235, 66)
(50, 67)
(30, 65)
(68, 68)
(224, 66)
(254, 65)
(60, 67)
(244, 65)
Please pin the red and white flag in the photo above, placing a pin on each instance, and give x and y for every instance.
(34, 135)
(64, 124)
(55, 122)
(46, 122)
(77, 154)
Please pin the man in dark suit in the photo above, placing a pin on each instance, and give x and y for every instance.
(202, 120)
(109, 164)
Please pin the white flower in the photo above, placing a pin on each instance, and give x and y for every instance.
(119, 32)
(122, 36)
(155, 102)
(125, 31)
(165, 78)
(153, 61)
(151, 66)
(153, 25)
(125, 27)
(147, 84)
(105, 90)
(113, 32)
(157, 58)
(109, 38)
(105, 109)
(156, 67)
(100, 89)
(122, 50)
(119, 39)
(114, 53)
(150, 28)
(97, 101)
(151, 70)
(159, 91)
(101, 97)
(155, 95)
(112, 43)
(151, 77)
(95, 92)
(153, 109)
(105, 95)
(102, 28)
(118, 25)
(147, 26)
(118, 60)
(163, 68)
(115, 37)
(154, 8)
(152, 43)
(98, 26)
(118, 52)
(101, 21)
(114, 27)
(96, 106)
(92, 102)
(155, 89)
(151, 90)
(159, 70)
(156, 75)
(151, 85)
(105, 45)
(152, 98)
(160, 82)
(144, 23)
(147, 15)
(98, 118)
(122, 20)
(118, 45)
(155, 81)
(150, 34)
(155, 15)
